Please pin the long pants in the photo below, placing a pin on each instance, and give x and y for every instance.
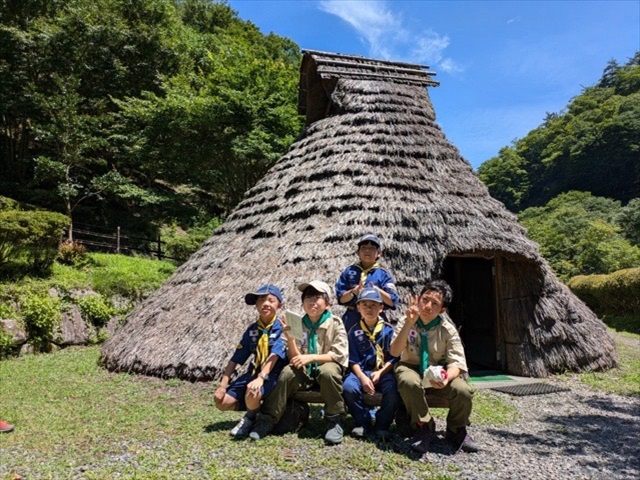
(292, 379)
(459, 394)
(353, 392)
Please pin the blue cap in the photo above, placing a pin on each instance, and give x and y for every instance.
(370, 237)
(370, 294)
(266, 289)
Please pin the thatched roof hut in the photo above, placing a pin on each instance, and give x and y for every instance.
(372, 159)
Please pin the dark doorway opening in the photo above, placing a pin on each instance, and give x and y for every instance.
(473, 308)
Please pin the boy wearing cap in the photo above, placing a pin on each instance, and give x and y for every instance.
(319, 359)
(371, 367)
(261, 339)
(366, 272)
(425, 338)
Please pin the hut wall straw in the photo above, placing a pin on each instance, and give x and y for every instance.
(379, 163)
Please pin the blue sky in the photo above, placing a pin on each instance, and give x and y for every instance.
(502, 65)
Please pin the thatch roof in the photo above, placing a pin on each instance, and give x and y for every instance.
(375, 161)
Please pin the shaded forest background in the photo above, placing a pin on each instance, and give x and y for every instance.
(157, 116)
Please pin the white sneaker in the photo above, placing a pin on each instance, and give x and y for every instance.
(243, 428)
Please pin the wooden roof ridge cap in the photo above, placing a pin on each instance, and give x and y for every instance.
(410, 66)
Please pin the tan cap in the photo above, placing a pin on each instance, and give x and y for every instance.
(317, 285)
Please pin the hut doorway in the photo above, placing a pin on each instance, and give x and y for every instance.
(473, 309)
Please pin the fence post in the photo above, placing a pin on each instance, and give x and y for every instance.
(159, 248)
(118, 239)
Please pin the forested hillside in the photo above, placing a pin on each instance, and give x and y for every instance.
(140, 113)
(593, 146)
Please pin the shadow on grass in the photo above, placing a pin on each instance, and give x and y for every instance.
(219, 426)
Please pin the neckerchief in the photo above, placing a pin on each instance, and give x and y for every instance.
(365, 272)
(262, 349)
(372, 336)
(424, 343)
(312, 341)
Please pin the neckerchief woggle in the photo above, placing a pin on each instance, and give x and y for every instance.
(371, 335)
(312, 341)
(262, 349)
(424, 342)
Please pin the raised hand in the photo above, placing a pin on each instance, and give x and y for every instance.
(413, 312)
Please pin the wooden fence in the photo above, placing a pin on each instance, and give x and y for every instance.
(98, 238)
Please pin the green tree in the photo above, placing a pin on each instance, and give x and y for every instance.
(628, 220)
(576, 234)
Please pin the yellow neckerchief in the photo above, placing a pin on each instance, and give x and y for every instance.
(372, 336)
(365, 272)
(262, 349)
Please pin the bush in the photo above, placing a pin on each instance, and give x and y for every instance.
(180, 244)
(618, 292)
(70, 252)
(31, 234)
(41, 314)
(96, 309)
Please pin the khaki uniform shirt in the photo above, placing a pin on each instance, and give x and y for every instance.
(445, 346)
(332, 339)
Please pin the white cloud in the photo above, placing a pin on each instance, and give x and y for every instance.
(388, 36)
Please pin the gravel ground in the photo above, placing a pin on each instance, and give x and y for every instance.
(579, 434)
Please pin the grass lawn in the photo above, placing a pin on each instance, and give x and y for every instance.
(75, 420)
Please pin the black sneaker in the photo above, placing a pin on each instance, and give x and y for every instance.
(461, 440)
(334, 434)
(243, 427)
(422, 439)
(263, 426)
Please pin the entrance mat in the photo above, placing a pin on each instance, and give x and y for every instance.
(524, 389)
(488, 376)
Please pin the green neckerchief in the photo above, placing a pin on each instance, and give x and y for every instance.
(312, 341)
(424, 342)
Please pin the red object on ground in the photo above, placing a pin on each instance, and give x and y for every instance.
(5, 427)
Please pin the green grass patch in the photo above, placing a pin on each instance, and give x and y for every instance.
(488, 409)
(76, 420)
(624, 380)
(623, 324)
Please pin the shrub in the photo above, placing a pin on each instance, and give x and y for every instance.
(70, 252)
(180, 244)
(34, 234)
(41, 314)
(6, 344)
(618, 292)
(96, 309)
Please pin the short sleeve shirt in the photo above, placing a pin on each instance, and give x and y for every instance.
(332, 340)
(445, 347)
(249, 343)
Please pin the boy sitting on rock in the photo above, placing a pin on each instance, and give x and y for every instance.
(371, 367)
(424, 338)
(261, 339)
(318, 360)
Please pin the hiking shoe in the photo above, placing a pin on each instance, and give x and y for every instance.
(461, 440)
(334, 434)
(383, 435)
(243, 427)
(263, 426)
(422, 439)
(358, 432)
(5, 427)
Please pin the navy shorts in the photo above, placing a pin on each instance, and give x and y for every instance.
(238, 388)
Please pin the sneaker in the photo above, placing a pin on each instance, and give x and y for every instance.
(383, 435)
(5, 427)
(461, 440)
(334, 434)
(423, 437)
(358, 432)
(263, 426)
(243, 427)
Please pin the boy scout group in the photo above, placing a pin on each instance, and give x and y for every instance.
(346, 358)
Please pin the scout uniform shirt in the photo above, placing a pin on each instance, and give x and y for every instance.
(445, 346)
(332, 339)
(249, 343)
(362, 351)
